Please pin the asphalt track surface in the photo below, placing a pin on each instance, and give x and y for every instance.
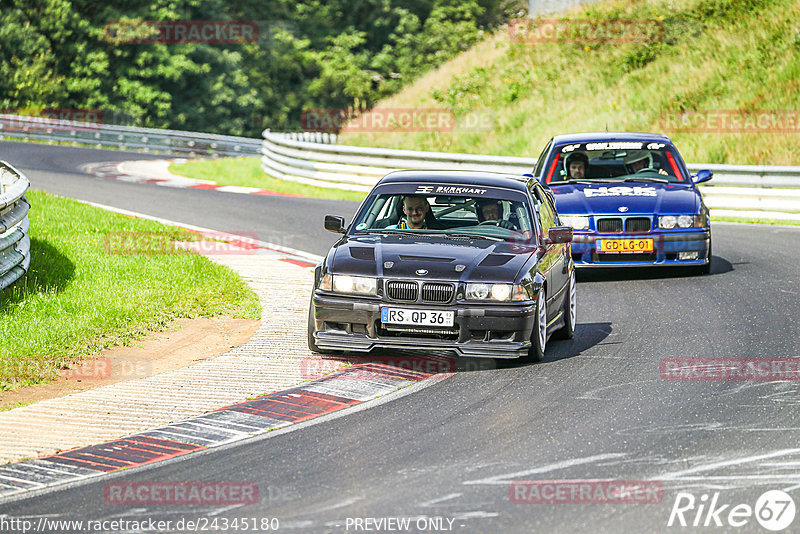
(596, 408)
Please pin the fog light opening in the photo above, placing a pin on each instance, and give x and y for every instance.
(687, 256)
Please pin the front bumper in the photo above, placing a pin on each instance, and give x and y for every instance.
(667, 246)
(491, 331)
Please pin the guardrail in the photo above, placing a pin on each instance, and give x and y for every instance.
(735, 190)
(98, 135)
(15, 245)
(287, 157)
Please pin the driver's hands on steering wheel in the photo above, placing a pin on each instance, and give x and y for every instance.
(502, 223)
(650, 169)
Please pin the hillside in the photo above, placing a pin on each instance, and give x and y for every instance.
(721, 77)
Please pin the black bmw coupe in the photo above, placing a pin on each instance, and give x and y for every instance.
(477, 263)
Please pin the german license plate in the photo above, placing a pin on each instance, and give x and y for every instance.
(625, 245)
(417, 317)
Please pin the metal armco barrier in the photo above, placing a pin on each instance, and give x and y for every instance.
(98, 135)
(358, 168)
(738, 188)
(15, 245)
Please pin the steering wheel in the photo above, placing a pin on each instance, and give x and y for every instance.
(506, 224)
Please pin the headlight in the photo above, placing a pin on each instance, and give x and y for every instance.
(361, 285)
(667, 221)
(681, 221)
(326, 282)
(498, 292)
(477, 291)
(578, 222)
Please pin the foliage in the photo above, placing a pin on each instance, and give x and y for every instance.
(339, 54)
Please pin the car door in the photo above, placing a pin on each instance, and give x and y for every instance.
(556, 255)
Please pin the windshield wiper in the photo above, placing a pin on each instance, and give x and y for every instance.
(472, 236)
(391, 231)
(646, 179)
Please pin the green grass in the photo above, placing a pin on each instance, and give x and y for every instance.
(11, 405)
(247, 172)
(741, 55)
(778, 222)
(81, 295)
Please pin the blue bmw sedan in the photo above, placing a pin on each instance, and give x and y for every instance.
(629, 198)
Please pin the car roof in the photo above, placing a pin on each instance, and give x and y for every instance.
(477, 178)
(592, 137)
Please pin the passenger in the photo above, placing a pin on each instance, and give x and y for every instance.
(638, 160)
(491, 210)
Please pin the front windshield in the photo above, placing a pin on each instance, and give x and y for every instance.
(631, 161)
(478, 212)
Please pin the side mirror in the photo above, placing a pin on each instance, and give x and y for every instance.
(702, 176)
(558, 234)
(528, 175)
(334, 223)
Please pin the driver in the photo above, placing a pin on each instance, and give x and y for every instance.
(418, 214)
(637, 160)
(576, 163)
(489, 210)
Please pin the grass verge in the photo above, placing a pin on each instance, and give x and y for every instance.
(247, 172)
(83, 293)
(776, 222)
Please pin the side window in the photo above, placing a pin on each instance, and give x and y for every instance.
(546, 212)
(547, 216)
(540, 161)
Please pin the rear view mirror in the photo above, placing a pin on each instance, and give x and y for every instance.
(334, 223)
(558, 234)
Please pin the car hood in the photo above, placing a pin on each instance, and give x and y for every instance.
(402, 256)
(633, 198)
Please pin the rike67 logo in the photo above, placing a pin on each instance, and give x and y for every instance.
(774, 510)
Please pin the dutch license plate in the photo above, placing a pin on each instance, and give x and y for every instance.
(417, 317)
(625, 245)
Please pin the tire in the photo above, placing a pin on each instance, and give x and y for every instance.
(568, 330)
(539, 332)
(312, 345)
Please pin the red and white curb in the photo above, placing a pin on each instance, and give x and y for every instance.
(350, 387)
(130, 171)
